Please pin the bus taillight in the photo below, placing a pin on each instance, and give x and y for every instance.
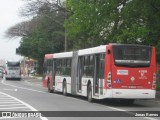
(109, 80)
(154, 82)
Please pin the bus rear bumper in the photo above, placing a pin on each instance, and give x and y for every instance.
(133, 93)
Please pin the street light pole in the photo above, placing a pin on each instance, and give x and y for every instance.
(65, 34)
(63, 4)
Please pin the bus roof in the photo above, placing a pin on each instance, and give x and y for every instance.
(59, 55)
(93, 50)
(48, 56)
(87, 51)
(63, 55)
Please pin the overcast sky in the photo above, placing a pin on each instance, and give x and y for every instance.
(9, 16)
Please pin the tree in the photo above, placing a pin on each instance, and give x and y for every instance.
(89, 23)
(123, 21)
(23, 29)
(96, 22)
(44, 33)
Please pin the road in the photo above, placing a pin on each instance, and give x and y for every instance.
(29, 95)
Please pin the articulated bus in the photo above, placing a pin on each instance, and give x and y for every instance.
(13, 70)
(119, 71)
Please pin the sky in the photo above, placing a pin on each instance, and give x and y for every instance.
(9, 16)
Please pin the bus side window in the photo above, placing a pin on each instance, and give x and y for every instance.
(68, 66)
(57, 67)
(81, 66)
(51, 66)
(47, 68)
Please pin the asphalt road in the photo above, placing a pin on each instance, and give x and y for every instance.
(29, 95)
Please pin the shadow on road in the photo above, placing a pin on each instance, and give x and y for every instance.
(106, 102)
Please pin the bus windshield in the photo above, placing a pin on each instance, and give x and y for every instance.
(132, 56)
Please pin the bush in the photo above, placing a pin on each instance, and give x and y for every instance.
(158, 87)
(158, 81)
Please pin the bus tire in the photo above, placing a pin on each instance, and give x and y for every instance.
(89, 93)
(49, 89)
(64, 88)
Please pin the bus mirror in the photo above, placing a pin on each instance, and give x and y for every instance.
(109, 52)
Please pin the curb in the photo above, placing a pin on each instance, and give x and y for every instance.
(31, 77)
(154, 101)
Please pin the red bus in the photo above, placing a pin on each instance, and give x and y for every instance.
(121, 71)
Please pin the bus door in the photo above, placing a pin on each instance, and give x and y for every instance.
(54, 72)
(96, 75)
(79, 73)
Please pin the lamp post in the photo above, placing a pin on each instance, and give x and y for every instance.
(62, 3)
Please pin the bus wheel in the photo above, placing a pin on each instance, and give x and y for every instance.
(49, 89)
(89, 93)
(64, 88)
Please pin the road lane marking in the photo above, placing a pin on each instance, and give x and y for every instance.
(9, 102)
(20, 101)
(39, 85)
(11, 105)
(114, 108)
(11, 89)
(12, 108)
(22, 87)
(5, 98)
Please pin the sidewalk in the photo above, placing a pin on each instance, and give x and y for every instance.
(31, 77)
(157, 95)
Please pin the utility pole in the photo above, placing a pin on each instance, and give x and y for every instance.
(62, 3)
(24, 66)
(65, 34)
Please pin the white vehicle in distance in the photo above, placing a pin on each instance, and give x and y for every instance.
(13, 70)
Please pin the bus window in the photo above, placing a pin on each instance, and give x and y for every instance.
(132, 56)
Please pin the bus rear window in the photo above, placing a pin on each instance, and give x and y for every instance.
(138, 56)
(13, 64)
